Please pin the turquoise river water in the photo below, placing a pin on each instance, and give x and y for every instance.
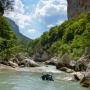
(11, 80)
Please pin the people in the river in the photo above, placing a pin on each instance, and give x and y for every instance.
(47, 77)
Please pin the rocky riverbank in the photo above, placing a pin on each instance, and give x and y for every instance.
(20, 60)
(44, 69)
(77, 70)
(74, 76)
(66, 64)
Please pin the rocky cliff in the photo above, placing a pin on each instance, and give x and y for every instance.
(75, 7)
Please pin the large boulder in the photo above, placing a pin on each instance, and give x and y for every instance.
(52, 61)
(28, 63)
(64, 62)
(60, 65)
(66, 59)
(72, 64)
(86, 80)
(23, 60)
(83, 62)
(41, 56)
(12, 64)
(20, 57)
(14, 60)
(80, 65)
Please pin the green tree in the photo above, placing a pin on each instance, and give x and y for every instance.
(7, 38)
(72, 36)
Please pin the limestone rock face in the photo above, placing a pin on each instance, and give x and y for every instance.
(52, 61)
(83, 62)
(76, 7)
(86, 80)
(29, 63)
(64, 62)
(41, 56)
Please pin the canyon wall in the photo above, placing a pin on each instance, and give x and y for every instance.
(76, 7)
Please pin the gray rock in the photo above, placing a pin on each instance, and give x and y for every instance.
(41, 56)
(14, 60)
(66, 59)
(28, 63)
(76, 7)
(52, 61)
(72, 64)
(65, 69)
(76, 77)
(12, 64)
(86, 80)
(64, 62)
(79, 65)
(87, 51)
(83, 62)
(20, 57)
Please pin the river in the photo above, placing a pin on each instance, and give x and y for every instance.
(21, 80)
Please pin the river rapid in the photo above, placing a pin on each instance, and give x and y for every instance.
(25, 80)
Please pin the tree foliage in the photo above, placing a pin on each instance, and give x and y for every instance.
(8, 41)
(72, 36)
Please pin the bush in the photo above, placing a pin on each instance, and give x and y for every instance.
(8, 39)
(72, 36)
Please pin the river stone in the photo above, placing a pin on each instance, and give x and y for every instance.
(65, 69)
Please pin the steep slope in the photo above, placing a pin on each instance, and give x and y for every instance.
(72, 37)
(76, 7)
(16, 30)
